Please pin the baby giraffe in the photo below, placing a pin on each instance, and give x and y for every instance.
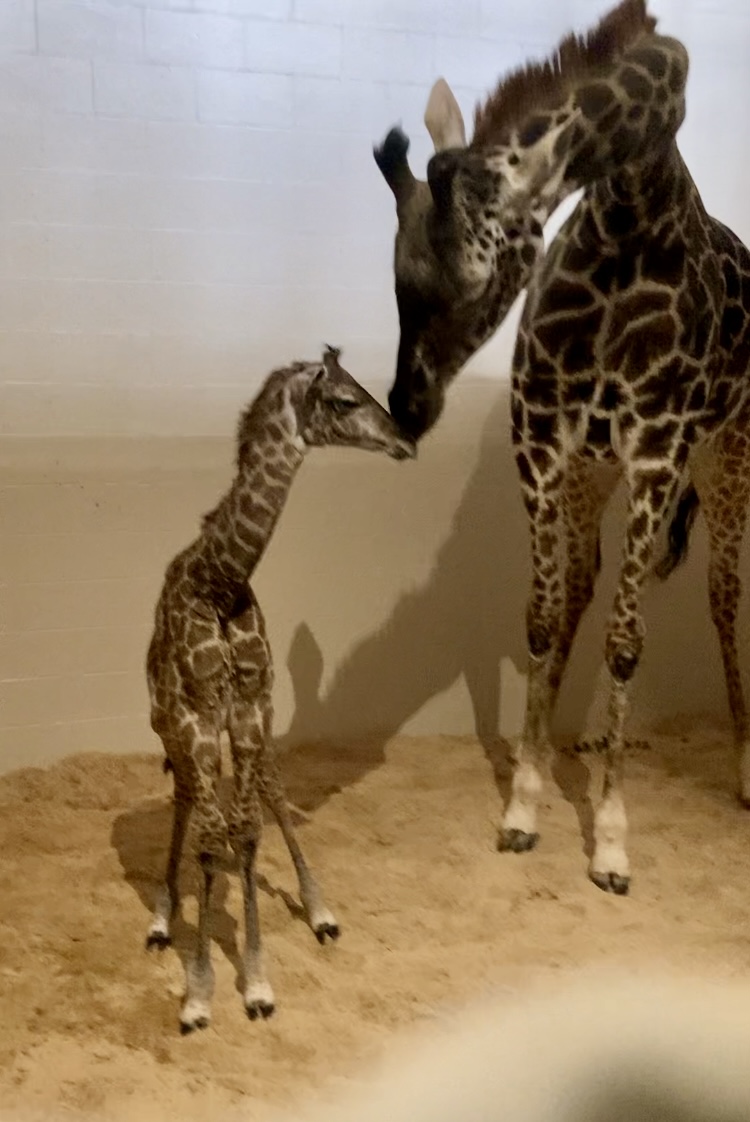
(209, 663)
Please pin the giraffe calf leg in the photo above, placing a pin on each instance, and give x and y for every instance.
(167, 894)
(199, 971)
(321, 919)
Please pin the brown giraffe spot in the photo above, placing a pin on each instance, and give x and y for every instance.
(636, 84)
(656, 439)
(599, 433)
(651, 60)
(732, 323)
(676, 77)
(556, 334)
(541, 459)
(578, 390)
(611, 396)
(533, 131)
(634, 306)
(579, 355)
(542, 428)
(564, 295)
(731, 281)
(524, 470)
(207, 662)
(663, 264)
(541, 390)
(595, 99)
(624, 142)
(644, 344)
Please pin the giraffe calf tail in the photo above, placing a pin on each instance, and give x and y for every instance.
(678, 539)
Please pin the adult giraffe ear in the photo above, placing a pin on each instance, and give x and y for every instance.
(443, 118)
(391, 158)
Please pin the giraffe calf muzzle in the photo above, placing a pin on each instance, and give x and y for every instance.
(403, 449)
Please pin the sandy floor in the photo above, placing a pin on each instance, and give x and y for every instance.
(404, 845)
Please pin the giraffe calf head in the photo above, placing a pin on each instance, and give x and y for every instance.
(466, 242)
(337, 410)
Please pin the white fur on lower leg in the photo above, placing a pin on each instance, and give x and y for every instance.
(527, 787)
(321, 918)
(159, 928)
(610, 831)
(196, 1013)
(258, 994)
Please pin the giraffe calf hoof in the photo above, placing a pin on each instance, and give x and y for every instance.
(516, 841)
(259, 1000)
(262, 1009)
(611, 882)
(327, 931)
(195, 1015)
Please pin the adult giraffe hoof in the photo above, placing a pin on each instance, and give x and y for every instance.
(327, 931)
(611, 882)
(516, 841)
(159, 939)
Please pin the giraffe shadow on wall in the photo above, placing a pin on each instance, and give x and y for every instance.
(462, 623)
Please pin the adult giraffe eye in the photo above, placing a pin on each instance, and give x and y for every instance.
(343, 405)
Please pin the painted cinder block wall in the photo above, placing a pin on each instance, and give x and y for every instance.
(187, 198)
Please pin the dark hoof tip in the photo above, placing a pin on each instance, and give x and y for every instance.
(331, 931)
(159, 940)
(259, 1009)
(611, 882)
(516, 841)
(186, 1027)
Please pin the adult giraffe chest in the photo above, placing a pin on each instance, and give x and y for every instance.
(614, 337)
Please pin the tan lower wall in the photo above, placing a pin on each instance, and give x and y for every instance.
(394, 593)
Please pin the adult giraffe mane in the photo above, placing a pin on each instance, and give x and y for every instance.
(542, 85)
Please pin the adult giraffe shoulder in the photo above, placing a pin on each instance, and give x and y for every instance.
(632, 355)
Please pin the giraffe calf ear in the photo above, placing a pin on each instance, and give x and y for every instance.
(443, 118)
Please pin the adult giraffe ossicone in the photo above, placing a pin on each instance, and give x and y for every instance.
(632, 356)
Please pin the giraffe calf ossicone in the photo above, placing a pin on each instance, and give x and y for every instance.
(209, 663)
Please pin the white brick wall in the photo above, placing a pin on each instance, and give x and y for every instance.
(203, 143)
(187, 197)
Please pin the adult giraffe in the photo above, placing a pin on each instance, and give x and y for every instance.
(632, 355)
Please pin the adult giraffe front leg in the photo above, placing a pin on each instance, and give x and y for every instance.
(650, 492)
(542, 481)
(721, 473)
